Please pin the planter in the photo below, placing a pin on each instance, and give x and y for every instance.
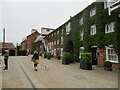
(65, 62)
(71, 61)
(108, 68)
(45, 56)
(86, 65)
(48, 57)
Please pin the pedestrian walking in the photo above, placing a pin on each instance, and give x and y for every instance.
(36, 60)
(6, 56)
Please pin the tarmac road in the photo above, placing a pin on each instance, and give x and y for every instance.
(21, 74)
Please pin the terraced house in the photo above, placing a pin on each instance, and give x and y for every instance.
(96, 29)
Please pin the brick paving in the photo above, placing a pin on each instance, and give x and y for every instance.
(21, 74)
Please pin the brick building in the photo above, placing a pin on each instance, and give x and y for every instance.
(41, 43)
(27, 43)
(10, 47)
(95, 29)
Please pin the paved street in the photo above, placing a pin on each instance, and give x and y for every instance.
(22, 75)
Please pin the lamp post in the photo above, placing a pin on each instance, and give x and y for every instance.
(3, 45)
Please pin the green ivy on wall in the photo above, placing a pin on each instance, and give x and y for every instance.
(100, 39)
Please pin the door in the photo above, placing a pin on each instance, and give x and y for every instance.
(94, 57)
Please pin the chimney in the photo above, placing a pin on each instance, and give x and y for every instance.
(33, 30)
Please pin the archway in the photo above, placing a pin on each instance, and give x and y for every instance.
(69, 47)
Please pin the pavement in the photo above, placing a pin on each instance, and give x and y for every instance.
(21, 74)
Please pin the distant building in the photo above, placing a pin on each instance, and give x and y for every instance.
(41, 41)
(10, 47)
(27, 43)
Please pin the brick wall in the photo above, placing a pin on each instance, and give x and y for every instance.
(101, 56)
(30, 39)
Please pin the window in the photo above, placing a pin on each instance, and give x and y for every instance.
(62, 31)
(93, 30)
(55, 52)
(81, 35)
(92, 12)
(111, 55)
(61, 51)
(54, 42)
(61, 40)
(57, 41)
(105, 4)
(50, 46)
(52, 52)
(54, 33)
(57, 32)
(81, 21)
(109, 27)
(68, 28)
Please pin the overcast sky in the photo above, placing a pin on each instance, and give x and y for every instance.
(20, 17)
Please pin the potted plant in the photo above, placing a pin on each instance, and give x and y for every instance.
(45, 54)
(85, 62)
(49, 55)
(71, 58)
(66, 58)
(108, 66)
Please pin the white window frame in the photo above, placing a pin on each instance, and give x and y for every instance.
(93, 30)
(61, 51)
(57, 42)
(62, 31)
(81, 35)
(50, 45)
(109, 27)
(57, 32)
(114, 55)
(54, 42)
(68, 28)
(105, 4)
(81, 21)
(61, 40)
(92, 12)
(54, 52)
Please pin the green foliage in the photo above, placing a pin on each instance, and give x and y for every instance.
(100, 39)
(35, 47)
(86, 57)
(49, 54)
(45, 53)
(107, 64)
(66, 55)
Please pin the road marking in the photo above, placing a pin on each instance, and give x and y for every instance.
(27, 77)
(31, 79)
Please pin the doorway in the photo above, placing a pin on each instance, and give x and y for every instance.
(94, 56)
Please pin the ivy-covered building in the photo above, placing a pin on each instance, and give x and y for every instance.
(92, 30)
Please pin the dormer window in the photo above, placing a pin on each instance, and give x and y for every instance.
(81, 21)
(92, 12)
(105, 4)
(68, 28)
